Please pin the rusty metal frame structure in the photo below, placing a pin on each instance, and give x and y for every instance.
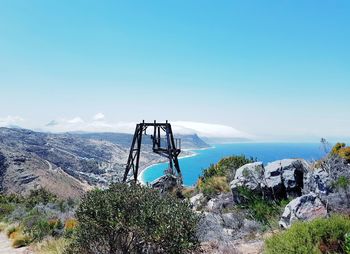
(171, 150)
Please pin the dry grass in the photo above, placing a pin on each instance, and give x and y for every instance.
(51, 246)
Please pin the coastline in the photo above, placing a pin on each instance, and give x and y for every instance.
(193, 151)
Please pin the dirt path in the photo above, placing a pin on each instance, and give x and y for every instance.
(6, 248)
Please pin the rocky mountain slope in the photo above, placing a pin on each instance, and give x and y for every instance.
(66, 164)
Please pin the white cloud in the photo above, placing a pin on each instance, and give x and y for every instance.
(76, 120)
(10, 120)
(99, 116)
(180, 127)
(208, 130)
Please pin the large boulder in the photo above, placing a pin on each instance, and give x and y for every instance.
(285, 177)
(331, 183)
(197, 201)
(165, 183)
(222, 201)
(249, 176)
(210, 227)
(225, 227)
(304, 208)
(318, 181)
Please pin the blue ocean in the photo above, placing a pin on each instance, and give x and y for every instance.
(192, 167)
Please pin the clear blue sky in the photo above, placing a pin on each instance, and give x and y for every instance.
(275, 69)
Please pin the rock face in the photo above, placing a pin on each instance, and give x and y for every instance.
(222, 201)
(165, 183)
(325, 183)
(285, 177)
(249, 176)
(225, 227)
(279, 179)
(197, 201)
(304, 208)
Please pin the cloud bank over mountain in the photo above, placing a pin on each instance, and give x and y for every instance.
(98, 123)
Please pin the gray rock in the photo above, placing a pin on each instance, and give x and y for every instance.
(197, 201)
(210, 227)
(223, 227)
(222, 201)
(305, 208)
(249, 176)
(165, 183)
(285, 177)
(232, 220)
(322, 182)
(318, 181)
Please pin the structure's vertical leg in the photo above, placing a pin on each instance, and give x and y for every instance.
(155, 142)
(130, 163)
(175, 152)
(139, 141)
(170, 154)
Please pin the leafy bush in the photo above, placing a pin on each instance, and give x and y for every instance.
(213, 186)
(40, 196)
(317, 236)
(11, 230)
(6, 209)
(347, 243)
(133, 219)
(38, 226)
(51, 246)
(216, 178)
(70, 226)
(261, 209)
(226, 167)
(21, 241)
(342, 151)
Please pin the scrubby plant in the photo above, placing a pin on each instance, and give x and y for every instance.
(133, 219)
(264, 210)
(21, 240)
(51, 246)
(11, 230)
(216, 177)
(69, 227)
(40, 196)
(226, 167)
(326, 235)
(213, 186)
(347, 243)
(6, 209)
(342, 151)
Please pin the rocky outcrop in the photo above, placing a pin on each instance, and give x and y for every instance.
(279, 179)
(220, 202)
(285, 177)
(197, 201)
(225, 227)
(165, 183)
(249, 176)
(304, 208)
(331, 184)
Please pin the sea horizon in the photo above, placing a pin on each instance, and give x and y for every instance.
(261, 151)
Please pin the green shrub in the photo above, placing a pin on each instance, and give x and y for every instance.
(213, 186)
(262, 209)
(216, 177)
(317, 236)
(347, 243)
(133, 219)
(226, 167)
(21, 241)
(342, 151)
(38, 226)
(40, 196)
(6, 209)
(51, 246)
